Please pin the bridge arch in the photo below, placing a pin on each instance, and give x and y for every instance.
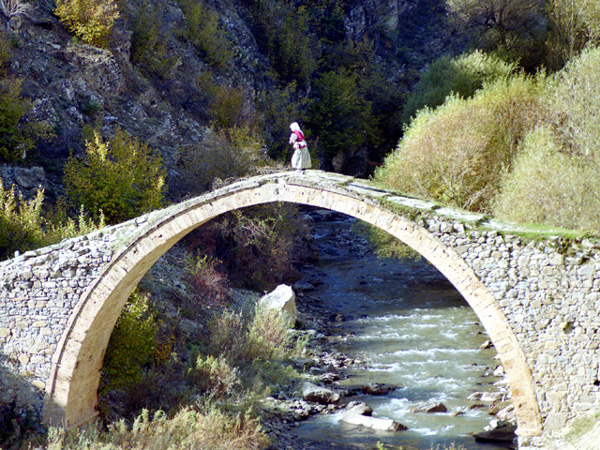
(71, 393)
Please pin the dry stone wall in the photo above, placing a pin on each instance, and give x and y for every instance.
(39, 292)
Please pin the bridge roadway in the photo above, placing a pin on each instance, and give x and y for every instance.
(538, 298)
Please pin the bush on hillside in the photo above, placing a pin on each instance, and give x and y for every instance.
(574, 102)
(23, 226)
(458, 153)
(283, 32)
(222, 154)
(341, 117)
(17, 136)
(204, 31)
(462, 75)
(555, 179)
(548, 186)
(149, 49)
(208, 428)
(90, 20)
(280, 107)
(121, 178)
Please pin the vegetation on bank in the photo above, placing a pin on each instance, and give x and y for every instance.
(523, 148)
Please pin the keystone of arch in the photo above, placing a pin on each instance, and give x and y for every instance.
(71, 393)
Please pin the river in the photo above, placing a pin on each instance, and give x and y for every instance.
(411, 328)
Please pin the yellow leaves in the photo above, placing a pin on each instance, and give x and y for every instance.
(122, 178)
(90, 20)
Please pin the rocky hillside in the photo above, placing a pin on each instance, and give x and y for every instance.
(153, 82)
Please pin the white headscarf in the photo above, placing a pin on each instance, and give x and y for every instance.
(295, 127)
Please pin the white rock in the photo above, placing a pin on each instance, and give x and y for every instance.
(360, 415)
(282, 299)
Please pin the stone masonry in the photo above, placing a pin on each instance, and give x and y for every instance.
(535, 291)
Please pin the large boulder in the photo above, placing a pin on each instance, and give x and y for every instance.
(429, 407)
(283, 300)
(360, 414)
(313, 393)
(498, 432)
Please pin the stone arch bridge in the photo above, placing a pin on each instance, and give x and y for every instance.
(538, 299)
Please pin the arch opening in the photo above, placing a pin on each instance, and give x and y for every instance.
(71, 393)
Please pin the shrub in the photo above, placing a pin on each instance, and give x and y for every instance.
(213, 375)
(90, 20)
(257, 247)
(268, 335)
(462, 75)
(17, 137)
(574, 103)
(23, 227)
(222, 154)
(149, 49)
(132, 344)
(21, 223)
(228, 336)
(459, 152)
(205, 33)
(555, 179)
(11, 8)
(122, 178)
(549, 186)
(284, 32)
(207, 284)
(209, 428)
(280, 107)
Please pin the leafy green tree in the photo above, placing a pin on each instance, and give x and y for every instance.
(122, 178)
(341, 117)
(90, 20)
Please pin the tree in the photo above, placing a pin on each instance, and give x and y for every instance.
(341, 116)
(515, 29)
(573, 25)
(122, 178)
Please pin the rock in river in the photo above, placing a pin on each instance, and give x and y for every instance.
(360, 414)
(429, 407)
(313, 393)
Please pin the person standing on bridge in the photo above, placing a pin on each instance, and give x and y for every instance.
(301, 157)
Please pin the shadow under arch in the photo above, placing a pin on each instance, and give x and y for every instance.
(71, 393)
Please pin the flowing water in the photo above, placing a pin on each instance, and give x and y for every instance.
(413, 329)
